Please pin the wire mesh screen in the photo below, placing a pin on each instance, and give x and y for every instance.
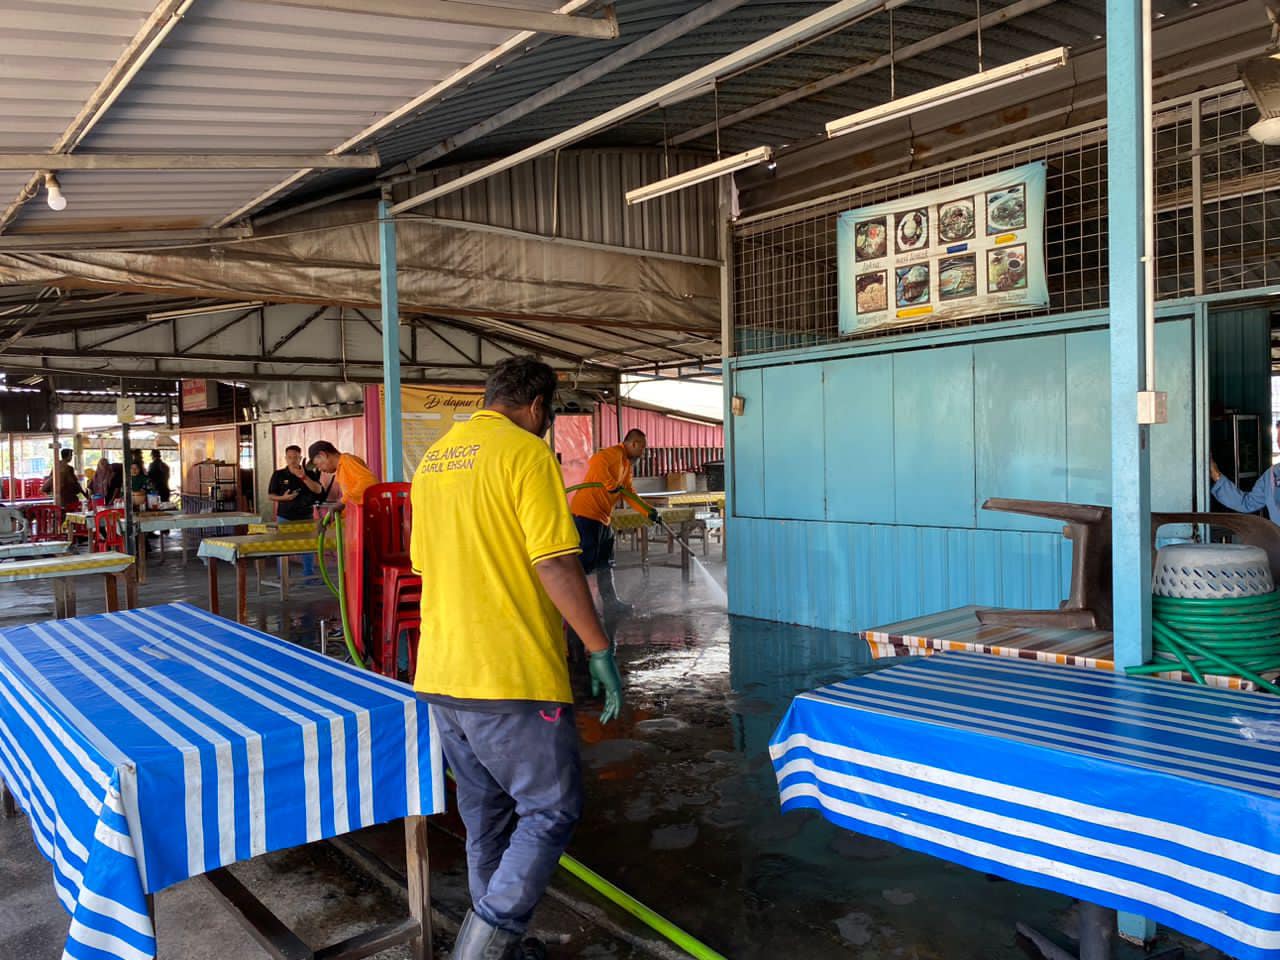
(785, 269)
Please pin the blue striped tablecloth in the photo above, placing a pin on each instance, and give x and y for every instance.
(153, 745)
(1150, 796)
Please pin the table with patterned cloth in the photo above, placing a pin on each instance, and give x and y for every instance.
(1135, 794)
(152, 746)
(290, 527)
(679, 522)
(155, 521)
(255, 546)
(63, 571)
(29, 551)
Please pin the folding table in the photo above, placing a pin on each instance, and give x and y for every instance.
(151, 746)
(1149, 796)
(237, 550)
(63, 571)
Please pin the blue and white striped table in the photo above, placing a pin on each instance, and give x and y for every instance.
(1153, 797)
(153, 745)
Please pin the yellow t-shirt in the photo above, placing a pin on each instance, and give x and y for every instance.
(488, 504)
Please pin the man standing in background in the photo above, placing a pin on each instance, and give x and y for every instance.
(352, 474)
(158, 474)
(610, 472)
(69, 492)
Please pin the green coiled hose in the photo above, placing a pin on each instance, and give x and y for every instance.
(1238, 636)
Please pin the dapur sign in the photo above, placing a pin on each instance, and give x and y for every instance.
(972, 249)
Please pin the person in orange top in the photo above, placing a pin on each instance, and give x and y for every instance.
(351, 473)
(592, 508)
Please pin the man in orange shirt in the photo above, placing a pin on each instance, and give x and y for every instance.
(351, 473)
(592, 508)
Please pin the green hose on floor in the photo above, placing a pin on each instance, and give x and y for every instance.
(340, 591)
(1238, 636)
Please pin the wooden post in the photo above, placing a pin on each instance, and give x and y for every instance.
(242, 590)
(130, 589)
(212, 564)
(112, 590)
(415, 848)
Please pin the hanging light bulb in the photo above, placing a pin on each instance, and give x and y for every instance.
(56, 198)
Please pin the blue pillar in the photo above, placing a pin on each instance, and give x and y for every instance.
(1130, 442)
(392, 431)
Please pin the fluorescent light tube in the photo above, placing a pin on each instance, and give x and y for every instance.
(710, 171)
(949, 92)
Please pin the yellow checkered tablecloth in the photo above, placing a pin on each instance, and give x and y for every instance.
(284, 527)
(632, 520)
(706, 498)
(76, 565)
(232, 549)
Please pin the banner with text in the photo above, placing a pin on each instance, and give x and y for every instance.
(963, 251)
(427, 413)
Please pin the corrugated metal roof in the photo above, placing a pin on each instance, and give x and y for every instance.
(52, 57)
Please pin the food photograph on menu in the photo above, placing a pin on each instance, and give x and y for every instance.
(958, 277)
(873, 239)
(969, 250)
(873, 292)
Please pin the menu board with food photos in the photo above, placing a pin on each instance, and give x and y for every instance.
(963, 251)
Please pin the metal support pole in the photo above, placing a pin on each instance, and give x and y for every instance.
(55, 477)
(617, 410)
(127, 455)
(1130, 441)
(393, 433)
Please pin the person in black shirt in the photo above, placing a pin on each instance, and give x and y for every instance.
(293, 488)
(158, 474)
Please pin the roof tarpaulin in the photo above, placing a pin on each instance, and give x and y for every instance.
(443, 269)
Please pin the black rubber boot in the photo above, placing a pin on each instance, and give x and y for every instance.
(613, 605)
(479, 941)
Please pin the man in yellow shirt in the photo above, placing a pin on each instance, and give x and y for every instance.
(352, 474)
(609, 468)
(498, 553)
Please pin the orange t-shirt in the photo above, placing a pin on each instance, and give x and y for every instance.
(611, 467)
(354, 477)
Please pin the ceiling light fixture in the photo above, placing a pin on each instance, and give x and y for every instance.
(949, 92)
(56, 198)
(710, 171)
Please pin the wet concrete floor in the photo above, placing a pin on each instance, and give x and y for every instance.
(682, 812)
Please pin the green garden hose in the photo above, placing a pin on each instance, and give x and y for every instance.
(340, 591)
(1237, 636)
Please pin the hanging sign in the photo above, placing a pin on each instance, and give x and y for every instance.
(427, 413)
(963, 251)
(199, 394)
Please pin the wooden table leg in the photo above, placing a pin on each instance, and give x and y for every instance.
(111, 588)
(69, 596)
(415, 846)
(59, 600)
(130, 589)
(684, 551)
(257, 572)
(284, 579)
(9, 806)
(644, 545)
(242, 590)
(212, 564)
(141, 539)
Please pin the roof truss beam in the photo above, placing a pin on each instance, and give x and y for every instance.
(470, 14)
(188, 161)
(829, 18)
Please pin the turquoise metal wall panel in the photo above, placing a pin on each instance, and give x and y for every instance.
(933, 437)
(794, 474)
(1240, 361)
(748, 446)
(858, 436)
(846, 576)
(1173, 462)
(1020, 426)
(1088, 417)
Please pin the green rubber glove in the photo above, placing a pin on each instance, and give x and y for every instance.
(605, 677)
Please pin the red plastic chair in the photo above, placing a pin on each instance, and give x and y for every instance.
(395, 590)
(31, 488)
(107, 535)
(4, 489)
(44, 522)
